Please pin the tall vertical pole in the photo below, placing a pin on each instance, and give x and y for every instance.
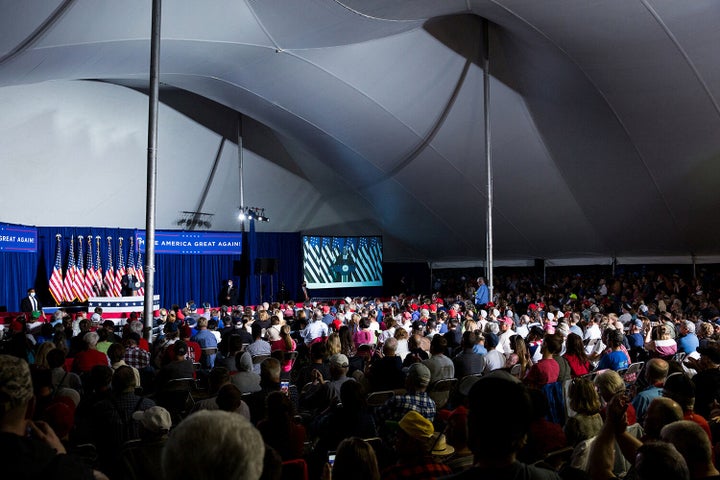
(488, 160)
(150, 205)
(240, 162)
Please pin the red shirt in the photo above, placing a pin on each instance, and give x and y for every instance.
(86, 360)
(543, 372)
(694, 417)
(577, 367)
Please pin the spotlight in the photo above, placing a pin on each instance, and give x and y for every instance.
(252, 213)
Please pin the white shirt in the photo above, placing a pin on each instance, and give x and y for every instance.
(316, 329)
(494, 360)
(504, 342)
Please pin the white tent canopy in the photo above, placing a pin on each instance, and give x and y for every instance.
(366, 117)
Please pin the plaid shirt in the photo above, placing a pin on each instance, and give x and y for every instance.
(135, 357)
(424, 470)
(396, 407)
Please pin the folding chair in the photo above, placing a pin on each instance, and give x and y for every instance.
(631, 374)
(375, 399)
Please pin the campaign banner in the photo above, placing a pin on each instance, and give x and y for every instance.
(192, 243)
(15, 238)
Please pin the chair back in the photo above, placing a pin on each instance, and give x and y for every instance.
(294, 470)
(375, 399)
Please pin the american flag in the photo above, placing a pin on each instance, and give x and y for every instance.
(57, 289)
(110, 273)
(70, 272)
(131, 255)
(99, 287)
(81, 290)
(90, 272)
(120, 272)
(140, 274)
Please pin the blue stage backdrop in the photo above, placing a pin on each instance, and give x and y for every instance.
(178, 278)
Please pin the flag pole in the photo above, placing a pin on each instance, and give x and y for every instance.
(152, 166)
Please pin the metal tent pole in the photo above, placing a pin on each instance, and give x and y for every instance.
(152, 165)
(488, 160)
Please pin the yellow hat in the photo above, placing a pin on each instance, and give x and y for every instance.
(417, 426)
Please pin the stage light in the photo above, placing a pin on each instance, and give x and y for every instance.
(252, 213)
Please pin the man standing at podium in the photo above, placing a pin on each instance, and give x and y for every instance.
(130, 283)
(30, 303)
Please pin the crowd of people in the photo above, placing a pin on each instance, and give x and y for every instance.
(578, 377)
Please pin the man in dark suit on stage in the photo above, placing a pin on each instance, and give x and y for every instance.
(129, 283)
(228, 294)
(30, 303)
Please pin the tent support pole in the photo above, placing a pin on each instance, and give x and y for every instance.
(488, 160)
(150, 202)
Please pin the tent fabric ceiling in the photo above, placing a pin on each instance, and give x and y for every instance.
(366, 117)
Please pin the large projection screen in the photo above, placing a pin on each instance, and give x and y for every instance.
(332, 262)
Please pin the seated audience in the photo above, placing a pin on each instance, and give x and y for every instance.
(221, 432)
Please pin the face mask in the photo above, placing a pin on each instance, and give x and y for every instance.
(32, 294)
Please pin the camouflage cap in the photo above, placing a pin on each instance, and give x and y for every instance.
(15, 382)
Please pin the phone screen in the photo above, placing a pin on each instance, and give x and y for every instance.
(331, 458)
(284, 386)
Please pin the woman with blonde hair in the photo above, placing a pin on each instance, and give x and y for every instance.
(519, 356)
(585, 401)
(333, 344)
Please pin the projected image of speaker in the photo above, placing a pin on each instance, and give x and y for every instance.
(330, 262)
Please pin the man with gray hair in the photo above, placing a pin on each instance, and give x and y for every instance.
(29, 449)
(221, 432)
(85, 360)
(688, 341)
